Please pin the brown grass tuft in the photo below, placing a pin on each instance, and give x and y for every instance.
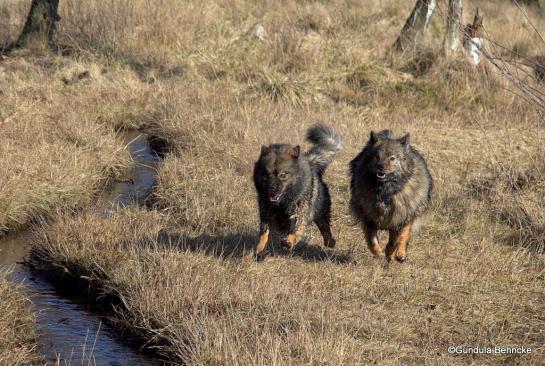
(514, 196)
(17, 339)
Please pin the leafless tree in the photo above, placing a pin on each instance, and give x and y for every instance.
(451, 43)
(416, 25)
(39, 24)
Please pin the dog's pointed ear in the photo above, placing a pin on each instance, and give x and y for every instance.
(405, 141)
(264, 149)
(373, 138)
(294, 151)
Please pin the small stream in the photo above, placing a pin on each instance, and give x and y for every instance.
(66, 327)
(142, 178)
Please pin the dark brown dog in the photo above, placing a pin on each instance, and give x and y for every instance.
(390, 188)
(290, 189)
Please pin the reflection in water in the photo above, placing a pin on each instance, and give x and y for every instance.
(64, 326)
(143, 175)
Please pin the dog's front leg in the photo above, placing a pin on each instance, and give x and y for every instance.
(263, 238)
(397, 245)
(403, 240)
(294, 235)
(372, 240)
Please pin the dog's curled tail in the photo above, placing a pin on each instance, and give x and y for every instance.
(326, 145)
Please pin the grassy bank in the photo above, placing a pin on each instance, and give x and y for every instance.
(56, 147)
(17, 339)
(55, 153)
(190, 73)
(59, 149)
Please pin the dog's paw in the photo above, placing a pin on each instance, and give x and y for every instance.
(285, 243)
(259, 257)
(258, 254)
(401, 258)
(330, 243)
(290, 241)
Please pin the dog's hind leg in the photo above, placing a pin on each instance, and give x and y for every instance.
(263, 238)
(372, 240)
(324, 225)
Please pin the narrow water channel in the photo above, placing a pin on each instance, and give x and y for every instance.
(66, 327)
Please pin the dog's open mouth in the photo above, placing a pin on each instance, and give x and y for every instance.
(381, 175)
(275, 198)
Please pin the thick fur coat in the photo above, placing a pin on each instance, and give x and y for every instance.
(290, 187)
(390, 188)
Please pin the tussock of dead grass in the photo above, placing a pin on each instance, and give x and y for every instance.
(514, 196)
(280, 88)
(17, 342)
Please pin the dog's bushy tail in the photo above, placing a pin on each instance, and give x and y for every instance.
(326, 145)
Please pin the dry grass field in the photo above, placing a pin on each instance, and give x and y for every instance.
(55, 151)
(190, 73)
(16, 326)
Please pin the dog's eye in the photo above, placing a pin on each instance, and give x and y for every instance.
(282, 175)
(392, 158)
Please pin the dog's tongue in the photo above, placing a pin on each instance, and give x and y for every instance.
(275, 198)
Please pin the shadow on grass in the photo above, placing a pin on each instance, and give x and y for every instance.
(234, 246)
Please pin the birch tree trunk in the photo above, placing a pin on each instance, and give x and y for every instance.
(452, 41)
(40, 23)
(416, 25)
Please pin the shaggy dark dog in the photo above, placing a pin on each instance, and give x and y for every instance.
(290, 189)
(390, 188)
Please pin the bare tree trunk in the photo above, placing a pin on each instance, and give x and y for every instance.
(452, 34)
(40, 22)
(536, 3)
(416, 25)
(473, 38)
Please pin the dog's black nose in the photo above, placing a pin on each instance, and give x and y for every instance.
(380, 167)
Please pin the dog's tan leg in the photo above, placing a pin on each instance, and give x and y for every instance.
(293, 238)
(391, 247)
(372, 241)
(295, 232)
(397, 243)
(403, 240)
(263, 239)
